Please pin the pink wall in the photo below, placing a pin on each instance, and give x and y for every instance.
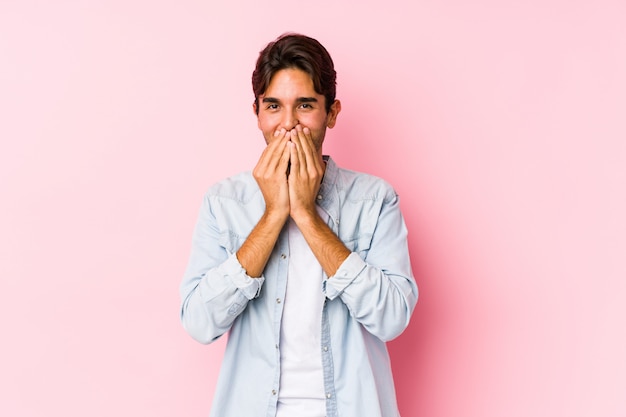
(501, 124)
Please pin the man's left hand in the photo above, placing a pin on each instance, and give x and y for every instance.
(305, 177)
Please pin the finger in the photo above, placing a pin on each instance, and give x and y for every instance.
(301, 147)
(308, 150)
(296, 160)
(293, 158)
(270, 163)
(274, 150)
(307, 141)
(285, 158)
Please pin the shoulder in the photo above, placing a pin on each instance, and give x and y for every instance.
(240, 188)
(364, 186)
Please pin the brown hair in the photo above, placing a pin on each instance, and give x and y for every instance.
(292, 50)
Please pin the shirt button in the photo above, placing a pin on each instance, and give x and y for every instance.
(283, 256)
(319, 197)
(325, 348)
(328, 395)
(278, 300)
(273, 392)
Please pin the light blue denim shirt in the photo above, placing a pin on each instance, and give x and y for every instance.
(368, 301)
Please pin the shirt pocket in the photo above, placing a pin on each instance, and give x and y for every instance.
(358, 224)
(234, 224)
(231, 241)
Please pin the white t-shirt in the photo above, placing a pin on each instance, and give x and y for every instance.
(301, 378)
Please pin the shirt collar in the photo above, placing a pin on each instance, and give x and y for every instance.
(327, 196)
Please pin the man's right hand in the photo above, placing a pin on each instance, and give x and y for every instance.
(270, 174)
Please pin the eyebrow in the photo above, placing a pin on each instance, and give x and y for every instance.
(306, 100)
(298, 100)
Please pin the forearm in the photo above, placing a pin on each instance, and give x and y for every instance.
(329, 250)
(257, 248)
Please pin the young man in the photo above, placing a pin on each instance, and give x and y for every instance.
(303, 263)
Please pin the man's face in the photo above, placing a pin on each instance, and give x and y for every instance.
(290, 99)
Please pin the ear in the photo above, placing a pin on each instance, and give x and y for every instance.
(256, 113)
(331, 117)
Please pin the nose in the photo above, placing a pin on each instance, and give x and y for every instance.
(290, 120)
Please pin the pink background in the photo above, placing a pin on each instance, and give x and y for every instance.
(500, 123)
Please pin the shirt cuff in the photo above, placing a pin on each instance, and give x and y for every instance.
(349, 269)
(250, 287)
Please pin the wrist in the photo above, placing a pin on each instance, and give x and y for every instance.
(275, 216)
(305, 217)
